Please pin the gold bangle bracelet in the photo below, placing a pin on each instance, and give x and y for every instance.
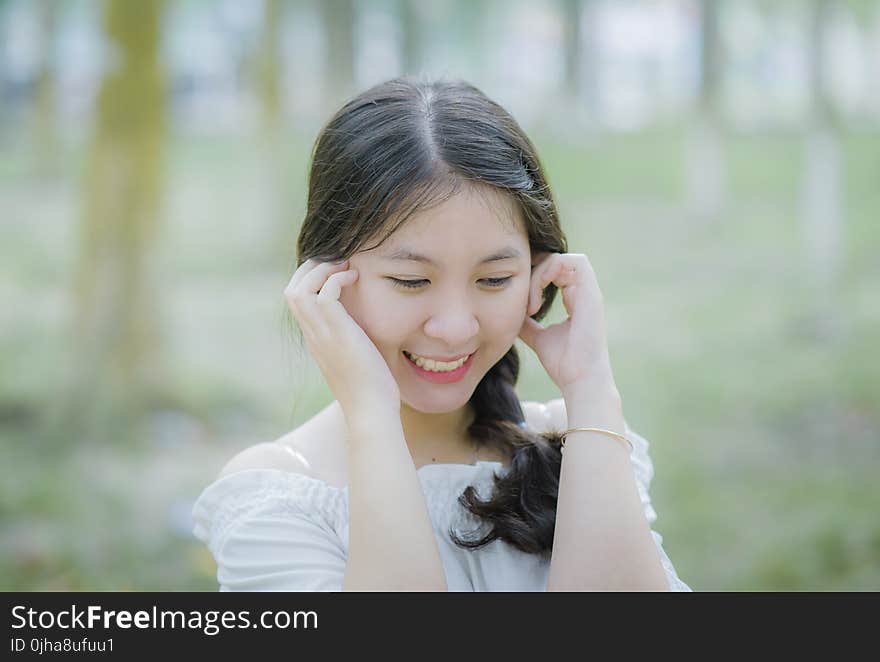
(613, 434)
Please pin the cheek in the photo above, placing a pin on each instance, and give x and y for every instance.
(378, 311)
(523, 287)
(517, 299)
(375, 311)
(505, 312)
(508, 321)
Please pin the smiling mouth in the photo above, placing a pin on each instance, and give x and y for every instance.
(462, 361)
(428, 358)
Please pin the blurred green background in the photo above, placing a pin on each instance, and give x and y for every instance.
(718, 161)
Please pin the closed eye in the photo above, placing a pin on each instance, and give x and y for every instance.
(416, 284)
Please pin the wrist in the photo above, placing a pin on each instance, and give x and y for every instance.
(375, 437)
(369, 410)
(597, 379)
(599, 389)
(594, 405)
(370, 420)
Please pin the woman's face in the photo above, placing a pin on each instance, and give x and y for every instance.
(457, 303)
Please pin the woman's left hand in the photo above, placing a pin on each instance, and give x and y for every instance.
(573, 352)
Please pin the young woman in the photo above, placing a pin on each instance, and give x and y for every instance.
(430, 244)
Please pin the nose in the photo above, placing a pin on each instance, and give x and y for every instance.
(454, 325)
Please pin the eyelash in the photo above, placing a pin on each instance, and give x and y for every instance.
(497, 283)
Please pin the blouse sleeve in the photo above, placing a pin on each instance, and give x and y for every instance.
(644, 471)
(272, 530)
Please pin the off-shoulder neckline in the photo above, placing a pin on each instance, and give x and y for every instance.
(445, 467)
(421, 471)
(459, 464)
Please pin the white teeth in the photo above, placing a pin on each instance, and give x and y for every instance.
(436, 366)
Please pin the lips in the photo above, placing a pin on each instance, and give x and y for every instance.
(434, 358)
(441, 376)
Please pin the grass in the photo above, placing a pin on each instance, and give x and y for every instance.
(764, 436)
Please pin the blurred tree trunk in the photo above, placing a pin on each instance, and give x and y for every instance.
(46, 140)
(116, 333)
(269, 58)
(822, 188)
(706, 171)
(272, 130)
(873, 53)
(339, 21)
(571, 40)
(579, 63)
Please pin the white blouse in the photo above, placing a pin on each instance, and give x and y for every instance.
(273, 530)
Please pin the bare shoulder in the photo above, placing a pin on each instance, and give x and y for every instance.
(316, 448)
(267, 455)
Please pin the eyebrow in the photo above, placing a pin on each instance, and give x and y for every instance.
(404, 254)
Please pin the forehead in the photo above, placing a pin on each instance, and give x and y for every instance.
(472, 219)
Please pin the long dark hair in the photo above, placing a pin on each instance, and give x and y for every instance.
(404, 145)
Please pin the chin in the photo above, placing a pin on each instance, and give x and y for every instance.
(421, 399)
(436, 405)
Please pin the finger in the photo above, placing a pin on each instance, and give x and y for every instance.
(542, 277)
(565, 270)
(311, 275)
(299, 274)
(304, 291)
(330, 315)
(314, 280)
(309, 293)
(302, 300)
(529, 332)
(332, 287)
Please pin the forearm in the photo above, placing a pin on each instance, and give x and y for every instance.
(602, 540)
(391, 539)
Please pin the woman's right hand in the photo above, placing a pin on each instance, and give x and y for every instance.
(355, 371)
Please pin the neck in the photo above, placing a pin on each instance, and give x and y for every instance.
(438, 438)
(432, 438)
